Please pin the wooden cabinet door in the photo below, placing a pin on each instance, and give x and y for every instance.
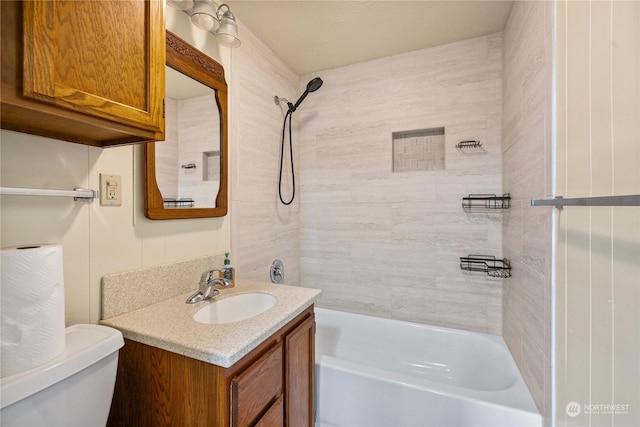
(257, 388)
(300, 365)
(102, 58)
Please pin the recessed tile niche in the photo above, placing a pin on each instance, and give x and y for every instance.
(211, 165)
(418, 150)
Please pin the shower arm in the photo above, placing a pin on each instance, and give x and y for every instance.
(312, 86)
(277, 100)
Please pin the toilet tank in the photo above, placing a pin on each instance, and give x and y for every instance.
(75, 389)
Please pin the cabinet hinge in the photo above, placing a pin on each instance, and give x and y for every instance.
(163, 108)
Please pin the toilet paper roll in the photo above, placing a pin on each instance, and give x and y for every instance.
(32, 285)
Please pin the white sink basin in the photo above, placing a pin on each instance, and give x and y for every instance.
(234, 308)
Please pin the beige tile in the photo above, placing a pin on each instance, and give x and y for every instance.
(525, 165)
(529, 303)
(256, 246)
(512, 330)
(262, 229)
(412, 299)
(532, 368)
(512, 231)
(403, 230)
(547, 412)
(535, 237)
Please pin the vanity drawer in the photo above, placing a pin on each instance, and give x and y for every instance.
(274, 416)
(257, 388)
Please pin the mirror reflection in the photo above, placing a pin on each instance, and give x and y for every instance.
(193, 162)
(188, 161)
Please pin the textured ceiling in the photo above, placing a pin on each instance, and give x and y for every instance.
(316, 35)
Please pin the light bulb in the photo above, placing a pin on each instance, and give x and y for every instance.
(227, 34)
(204, 16)
(180, 4)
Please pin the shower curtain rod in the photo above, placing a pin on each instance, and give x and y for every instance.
(560, 202)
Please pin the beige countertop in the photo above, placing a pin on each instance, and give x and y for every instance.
(169, 324)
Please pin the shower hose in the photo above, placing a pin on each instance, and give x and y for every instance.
(293, 176)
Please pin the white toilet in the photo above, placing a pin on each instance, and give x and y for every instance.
(75, 389)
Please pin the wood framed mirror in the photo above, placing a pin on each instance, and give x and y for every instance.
(186, 175)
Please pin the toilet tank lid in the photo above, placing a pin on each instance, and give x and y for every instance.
(84, 346)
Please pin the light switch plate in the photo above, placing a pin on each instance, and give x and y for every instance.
(110, 190)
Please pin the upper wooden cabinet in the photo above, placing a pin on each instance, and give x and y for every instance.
(88, 71)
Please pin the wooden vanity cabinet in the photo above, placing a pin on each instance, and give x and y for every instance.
(255, 389)
(90, 72)
(272, 386)
(299, 372)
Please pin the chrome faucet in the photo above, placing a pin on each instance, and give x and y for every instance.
(207, 287)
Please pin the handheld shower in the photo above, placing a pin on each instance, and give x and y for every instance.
(312, 86)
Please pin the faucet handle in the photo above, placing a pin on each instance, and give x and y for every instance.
(221, 282)
(206, 277)
(209, 276)
(206, 290)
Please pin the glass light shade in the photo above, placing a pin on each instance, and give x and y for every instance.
(227, 34)
(204, 16)
(180, 4)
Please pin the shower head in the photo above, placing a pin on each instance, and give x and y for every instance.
(312, 86)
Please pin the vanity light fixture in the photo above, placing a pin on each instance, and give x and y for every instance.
(180, 4)
(207, 15)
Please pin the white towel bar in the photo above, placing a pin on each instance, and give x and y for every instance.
(79, 194)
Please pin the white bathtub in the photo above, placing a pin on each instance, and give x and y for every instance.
(382, 372)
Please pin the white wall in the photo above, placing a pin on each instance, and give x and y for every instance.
(527, 174)
(597, 310)
(98, 240)
(388, 244)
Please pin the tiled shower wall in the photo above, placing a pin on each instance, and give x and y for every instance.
(526, 234)
(388, 243)
(262, 228)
